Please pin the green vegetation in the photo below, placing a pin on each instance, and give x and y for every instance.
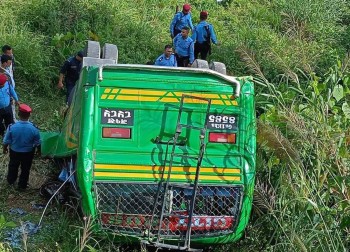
(297, 52)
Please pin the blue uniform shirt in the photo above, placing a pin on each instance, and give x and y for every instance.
(179, 21)
(184, 47)
(6, 92)
(9, 75)
(200, 33)
(163, 61)
(22, 136)
(71, 68)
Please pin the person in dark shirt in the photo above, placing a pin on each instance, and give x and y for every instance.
(23, 138)
(70, 72)
(203, 35)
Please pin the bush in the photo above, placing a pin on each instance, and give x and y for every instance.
(283, 35)
(304, 163)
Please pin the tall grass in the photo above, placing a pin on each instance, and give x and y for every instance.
(305, 163)
(32, 55)
(302, 200)
(284, 35)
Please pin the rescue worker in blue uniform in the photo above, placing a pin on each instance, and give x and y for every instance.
(184, 48)
(6, 92)
(203, 35)
(23, 138)
(6, 63)
(180, 20)
(70, 72)
(7, 50)
(167, 58)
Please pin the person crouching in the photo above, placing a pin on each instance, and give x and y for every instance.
(23, 138)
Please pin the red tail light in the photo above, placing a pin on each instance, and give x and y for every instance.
(216, 137)
(116, 133)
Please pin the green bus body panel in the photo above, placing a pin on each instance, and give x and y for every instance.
(153, 96)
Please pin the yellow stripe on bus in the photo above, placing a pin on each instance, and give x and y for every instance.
(170, 100)
(136, 98)
(142, 92)
(153, 99)
(71, 144)
(72, 136)
(174, 168)
(211, 96)
(217, 102)
(194, 100)
(158, 176)
(163, 96)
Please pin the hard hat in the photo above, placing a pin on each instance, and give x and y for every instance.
(24, 108)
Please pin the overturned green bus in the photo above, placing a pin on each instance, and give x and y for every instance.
(164, 156)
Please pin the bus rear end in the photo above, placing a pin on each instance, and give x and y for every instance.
(132, 115)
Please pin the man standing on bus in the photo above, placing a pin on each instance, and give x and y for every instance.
(181, 19)
(184, 49)
(203, 35)
(70, 72)
(167, 58)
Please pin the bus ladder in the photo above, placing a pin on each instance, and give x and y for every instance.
(165, 183)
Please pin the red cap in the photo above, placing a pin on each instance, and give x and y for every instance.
(186, 7)
(3, 79)
(24, 108)
(203, 14)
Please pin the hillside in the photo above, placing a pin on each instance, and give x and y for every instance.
(298, 53)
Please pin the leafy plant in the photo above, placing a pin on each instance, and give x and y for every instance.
(303, 153)
(4, 248)
(5, 224)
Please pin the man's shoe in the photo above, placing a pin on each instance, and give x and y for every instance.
(11, 186)
(20, 189)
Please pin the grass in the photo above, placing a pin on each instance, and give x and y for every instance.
(293, 48)
(57, 230)
(301, 134)
(301, 197)
(63, 228)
